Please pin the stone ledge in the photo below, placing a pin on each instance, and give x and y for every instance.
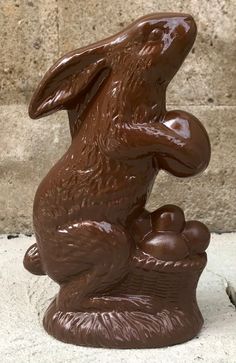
(24, 297)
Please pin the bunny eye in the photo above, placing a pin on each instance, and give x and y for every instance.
(155, 34)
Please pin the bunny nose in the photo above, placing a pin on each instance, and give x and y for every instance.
(189, 25)
(191, 22)
(189, 19)
(185, 27)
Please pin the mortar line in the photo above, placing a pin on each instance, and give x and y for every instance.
(168, 104)
(58, 29)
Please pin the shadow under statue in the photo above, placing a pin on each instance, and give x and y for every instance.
(127, 277)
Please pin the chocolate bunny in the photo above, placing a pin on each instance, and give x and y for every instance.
(86, 208)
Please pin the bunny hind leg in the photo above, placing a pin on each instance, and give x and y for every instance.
(97, 255)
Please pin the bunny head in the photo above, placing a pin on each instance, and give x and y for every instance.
(156, 44)
(152, 49)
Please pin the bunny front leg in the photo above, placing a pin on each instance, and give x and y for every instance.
(179, 141)
(193, 156)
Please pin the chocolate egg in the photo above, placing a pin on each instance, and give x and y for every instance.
(166, 246)
(197, 236)
(168, 218)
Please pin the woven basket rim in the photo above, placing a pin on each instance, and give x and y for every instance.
(145, 261)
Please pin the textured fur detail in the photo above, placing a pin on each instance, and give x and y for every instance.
(164, 318)
(121, 329)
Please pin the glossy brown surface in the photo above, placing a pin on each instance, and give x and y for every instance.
(127, 277)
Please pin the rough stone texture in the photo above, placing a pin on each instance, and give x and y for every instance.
(29, 45)
(225, 253)
(29, 148)
(34, 33)
(203, 77)
(24, 298)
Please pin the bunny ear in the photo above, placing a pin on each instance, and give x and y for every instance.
(64, 81)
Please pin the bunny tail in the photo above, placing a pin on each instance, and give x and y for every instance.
(32, 261)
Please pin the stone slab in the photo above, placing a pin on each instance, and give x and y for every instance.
(29, 46)
(208, 75)
(24, 298)
(34, 33)
(29, 148)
